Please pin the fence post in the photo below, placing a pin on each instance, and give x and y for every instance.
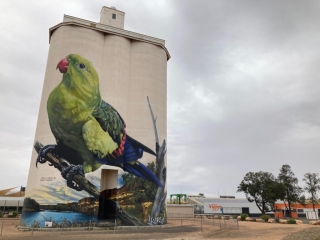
(181, 223)
(220, 223)
(201, 223)
(1, 228)
(225, 226)
(238, 223)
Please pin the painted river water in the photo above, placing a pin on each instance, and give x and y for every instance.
(28, 218)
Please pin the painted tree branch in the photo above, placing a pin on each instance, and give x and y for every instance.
(61, 163)
(160, 198)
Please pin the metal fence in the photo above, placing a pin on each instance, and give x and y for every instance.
(179, 215)
(223, 222)
(185, 227)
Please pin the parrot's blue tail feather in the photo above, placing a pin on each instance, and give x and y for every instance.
(131, 152)
(137, 144)
(142, 171)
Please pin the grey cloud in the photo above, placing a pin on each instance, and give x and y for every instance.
(243, 89)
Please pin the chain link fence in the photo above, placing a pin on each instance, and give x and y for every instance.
(186, 226)
(221, 221)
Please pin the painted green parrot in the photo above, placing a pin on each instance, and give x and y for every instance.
(89, 132)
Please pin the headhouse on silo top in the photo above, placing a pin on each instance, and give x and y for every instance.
(112, 17)
(98, 148)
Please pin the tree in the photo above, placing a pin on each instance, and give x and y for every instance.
(30, 203)
(291, 193)
(312, 186)
(260, 187)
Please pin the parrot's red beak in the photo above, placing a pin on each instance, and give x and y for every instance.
(63, 65)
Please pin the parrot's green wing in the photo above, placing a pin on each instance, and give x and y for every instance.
(110, 121)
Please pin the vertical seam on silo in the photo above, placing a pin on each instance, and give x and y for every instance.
(128, 87)
(102, 68)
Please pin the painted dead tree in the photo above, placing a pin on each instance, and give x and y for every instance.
(160, 199)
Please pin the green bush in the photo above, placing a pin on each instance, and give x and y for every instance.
(265, 217)
(277, 220)
(244, 216)
(291, 221)
(14, 214)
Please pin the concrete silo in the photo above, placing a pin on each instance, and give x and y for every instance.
(130, 67)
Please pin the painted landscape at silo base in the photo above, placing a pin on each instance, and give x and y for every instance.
(64, 207)
(91, 136)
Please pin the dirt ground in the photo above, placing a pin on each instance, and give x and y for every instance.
(174, 230)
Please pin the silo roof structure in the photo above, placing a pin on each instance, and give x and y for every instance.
(70, 20)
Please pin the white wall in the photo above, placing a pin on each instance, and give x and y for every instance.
(229, 206)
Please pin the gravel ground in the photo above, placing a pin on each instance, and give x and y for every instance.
(174, 230)
(311, 233)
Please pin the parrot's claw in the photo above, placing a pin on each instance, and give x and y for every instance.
(68, 173)
(43, 153)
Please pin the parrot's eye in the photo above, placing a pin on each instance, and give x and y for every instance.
(82, 66)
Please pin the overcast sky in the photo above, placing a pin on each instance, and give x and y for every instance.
(243, 84)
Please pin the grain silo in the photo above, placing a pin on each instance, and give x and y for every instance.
(115, 129)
